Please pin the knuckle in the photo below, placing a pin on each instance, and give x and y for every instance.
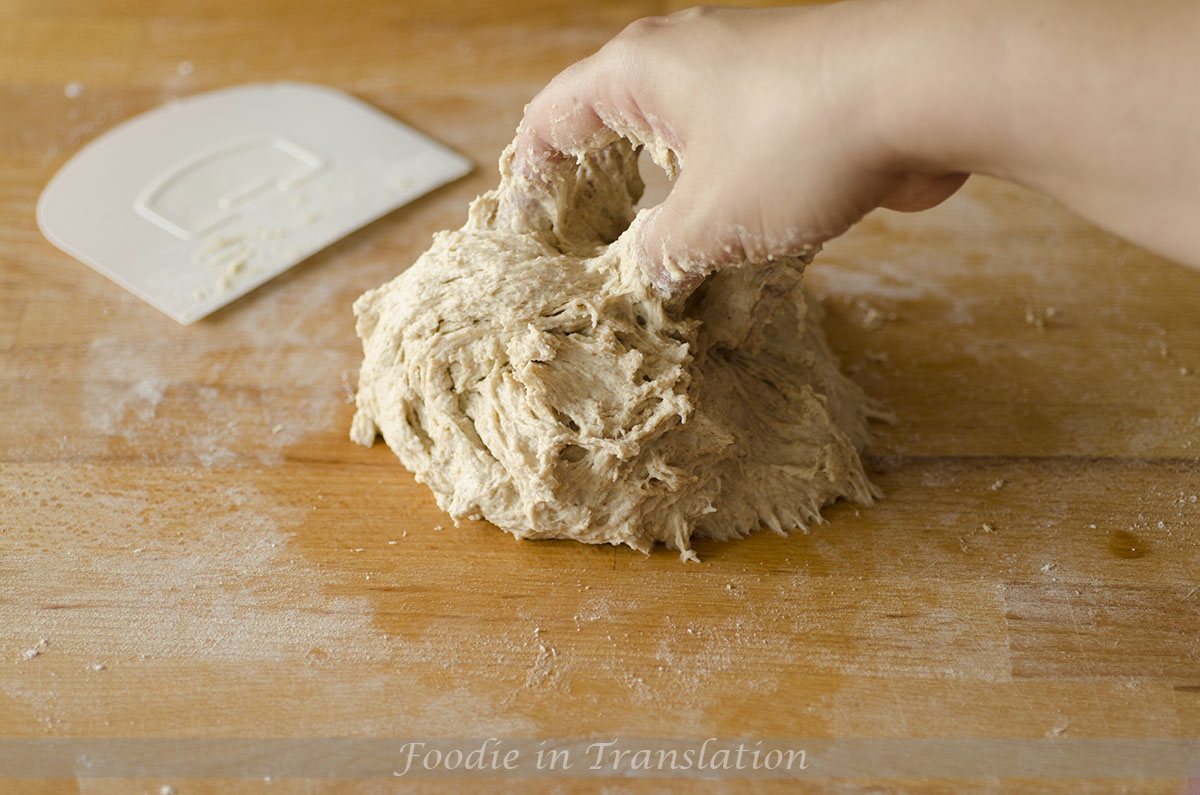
(694, 13)
(644, 27)
(630, 45)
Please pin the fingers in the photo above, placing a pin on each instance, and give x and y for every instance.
(562, 119)
(601, 98)
(667, 255)
(694, 232)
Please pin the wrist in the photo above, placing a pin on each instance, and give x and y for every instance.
(937, 86)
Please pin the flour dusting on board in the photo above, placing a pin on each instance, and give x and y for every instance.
(229, 592)
(131, 395)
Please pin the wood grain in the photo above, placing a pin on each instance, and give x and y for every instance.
(181, 506)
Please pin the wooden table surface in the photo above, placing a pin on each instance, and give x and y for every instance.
(205, 554)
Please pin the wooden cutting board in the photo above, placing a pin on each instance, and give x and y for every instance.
(205, 554)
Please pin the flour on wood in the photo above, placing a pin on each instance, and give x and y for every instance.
(527, 372)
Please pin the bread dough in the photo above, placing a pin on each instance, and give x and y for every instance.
(527, 372)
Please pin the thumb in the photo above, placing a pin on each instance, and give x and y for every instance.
(678, 242)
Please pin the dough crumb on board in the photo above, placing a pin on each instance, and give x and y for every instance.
(35, 651)
(528, 373)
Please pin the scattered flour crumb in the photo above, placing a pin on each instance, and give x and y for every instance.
(36, 651)
(186, 68)
(999, 484)
(1049, 567)
(541, 668)
(73, 90)
(151, 390)
(872, 316)
(235, 267)
(1039, 319)
(987, 528)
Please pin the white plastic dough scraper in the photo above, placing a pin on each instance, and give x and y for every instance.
(200, 201)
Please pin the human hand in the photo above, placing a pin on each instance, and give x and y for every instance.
(769, 116)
